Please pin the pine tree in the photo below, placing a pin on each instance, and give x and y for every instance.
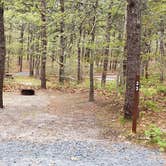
(2, 52)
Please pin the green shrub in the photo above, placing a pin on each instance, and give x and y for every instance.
(122, 120)
(121, 90)
(111, 86)
(97, 84)
(149, 92)
(161, 90)
(153, 80)
(156, 136)
(151, 105)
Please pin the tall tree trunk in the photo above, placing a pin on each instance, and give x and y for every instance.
(9, 50)
(37, 65)
(163, 63)
(37, 59)
(156, 50)
(148, 51)
(28, 43)
(147, 68)
(133, 53)
(106, 51)
(21, 48)
(91, 91)
(72, 37)
(2, 52)
(83, 45)
(122, 69)
(31, 66)
(79, 78)
(43, 44)
(31, 52)
(62, 43)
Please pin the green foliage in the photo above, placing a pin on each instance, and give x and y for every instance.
(149, 86)
(152, 81)
(121, 90)
(111, 86)
(149, 92)
(151, 105)
(142, 114)
(29, 81)
(161, 90)
(85, 84)
(122, 120)
(156, 136)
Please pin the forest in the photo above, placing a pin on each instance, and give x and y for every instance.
(83, 82)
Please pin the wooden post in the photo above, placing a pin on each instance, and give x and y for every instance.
(136, 103)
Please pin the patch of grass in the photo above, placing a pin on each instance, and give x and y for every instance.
(142, 114)
(148, 92)
(156, 136)
(121, 90)
(151, 105)
(122, 120)
(153, 80)
(161, 89)
(27, 81)
(84, 84)
(97, 84)
(111, 86)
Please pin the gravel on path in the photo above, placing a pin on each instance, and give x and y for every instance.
(76, 153)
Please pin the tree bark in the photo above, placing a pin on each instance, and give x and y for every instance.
(163, 63)
(133, 53)
(79, 78)
(31, 52)
(37, 58)
(106, 50)
(2, 52)
(28, 43)
(148, 50)
(91, 91)
(43, 44)
(8, 52)
(62, 43)
(21, 48)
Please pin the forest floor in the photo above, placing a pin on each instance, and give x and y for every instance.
(61, 128)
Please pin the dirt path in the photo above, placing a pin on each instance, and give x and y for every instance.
(77, 118)
(63, 129)
(48, 116)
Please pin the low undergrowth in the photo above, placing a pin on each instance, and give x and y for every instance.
(156, 136)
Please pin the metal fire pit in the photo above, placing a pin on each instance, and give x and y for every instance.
(27, 92)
